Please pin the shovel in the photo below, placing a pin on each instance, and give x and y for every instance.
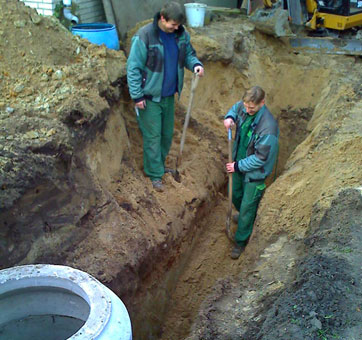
(194, 82)
(230, 175)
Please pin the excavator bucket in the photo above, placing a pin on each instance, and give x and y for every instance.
(273, 21)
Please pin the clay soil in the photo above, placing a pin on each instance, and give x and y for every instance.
(73, 191)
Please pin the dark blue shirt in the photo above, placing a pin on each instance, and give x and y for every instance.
(170, 60)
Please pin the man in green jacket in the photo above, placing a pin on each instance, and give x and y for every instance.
(255, 151)
(155, 71)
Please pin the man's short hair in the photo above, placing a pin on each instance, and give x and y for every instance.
(173, 11)
(254, 95)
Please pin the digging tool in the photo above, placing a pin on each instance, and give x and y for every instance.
(230, 175)
(194, 82)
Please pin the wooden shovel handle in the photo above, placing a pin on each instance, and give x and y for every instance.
(230, 149)
(229, 212)
(194, 82)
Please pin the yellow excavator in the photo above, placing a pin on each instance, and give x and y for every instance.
(334, 14)
(323, 18)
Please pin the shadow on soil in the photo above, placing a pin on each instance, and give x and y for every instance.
(321, 299)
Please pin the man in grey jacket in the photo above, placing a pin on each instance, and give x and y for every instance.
(255, 151)
(155, 71)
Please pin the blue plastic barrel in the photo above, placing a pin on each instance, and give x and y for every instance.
(98, 33)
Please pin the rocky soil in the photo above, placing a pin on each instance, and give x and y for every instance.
(72, 189)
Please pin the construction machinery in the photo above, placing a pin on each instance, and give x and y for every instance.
(339, 20)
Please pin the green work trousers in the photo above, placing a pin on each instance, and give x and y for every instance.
(156, 123)
(246, 197)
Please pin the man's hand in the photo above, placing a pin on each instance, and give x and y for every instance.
(199, 70)
(141, 105)
(228, 123)
(230, 167)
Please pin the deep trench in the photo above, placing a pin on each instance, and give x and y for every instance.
(171, 305)
(294, 83)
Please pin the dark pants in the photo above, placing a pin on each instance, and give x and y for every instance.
(156, 122)
(246, 197)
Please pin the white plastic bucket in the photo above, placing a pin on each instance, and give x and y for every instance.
(195, 14)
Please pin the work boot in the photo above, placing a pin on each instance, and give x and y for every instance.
(236, 218)
(157, 185)
(236, 252)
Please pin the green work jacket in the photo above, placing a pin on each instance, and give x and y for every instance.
(262, 149)
(145, 66)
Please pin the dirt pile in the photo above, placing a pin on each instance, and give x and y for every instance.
(56, 90)
(47, 84)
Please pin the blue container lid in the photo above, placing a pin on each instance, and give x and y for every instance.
(93, 27)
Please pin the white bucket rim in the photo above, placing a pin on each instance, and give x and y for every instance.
(195, 4)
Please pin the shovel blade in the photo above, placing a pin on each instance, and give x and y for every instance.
(228, 231)
(177, 176)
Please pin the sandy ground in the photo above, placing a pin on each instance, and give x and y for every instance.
(84, 201)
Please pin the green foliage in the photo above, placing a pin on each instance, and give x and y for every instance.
(322, 334)
(58, 13)
(58, 10)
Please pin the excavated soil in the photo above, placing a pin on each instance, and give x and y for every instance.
(73, 191)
